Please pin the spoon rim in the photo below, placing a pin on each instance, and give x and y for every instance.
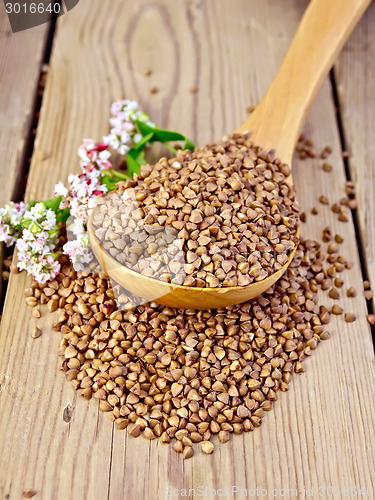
(220, 290)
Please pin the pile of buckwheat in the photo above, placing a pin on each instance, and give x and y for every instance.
(221, 215)
(185, 375)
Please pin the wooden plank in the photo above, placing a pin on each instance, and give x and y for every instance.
(21, 56)
(355, 72)
(320, 433)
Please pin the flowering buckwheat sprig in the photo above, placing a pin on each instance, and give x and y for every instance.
(97, 175)
(10, 222)
(35, 227)
(38, 242)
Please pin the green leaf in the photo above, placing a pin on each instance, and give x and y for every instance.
(110, 182)
(134, 160)
(25, 223)
(53, 204)
(188, 144)
(55, 255)
(160, 134)
(133, 166)
(34, 227)
(53, 233)
(142, 143)
(141, 158)
(63, 215)
(163, 135)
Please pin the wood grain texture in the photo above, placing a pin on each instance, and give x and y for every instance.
(21, 56)
(355, 74)
(277, 121)
(321, 432)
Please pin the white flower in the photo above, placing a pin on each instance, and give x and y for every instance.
(10, 220)
(77, 227)
(123, 149)
(84, 188)
(61, 190)
(39, 218)
(79, 251)
(38, 241)
(50, 220)
(123, 106)
(35, 256)
(137, 138)
(104, 155)
(83, 191)
(35, 212)
(5, 234)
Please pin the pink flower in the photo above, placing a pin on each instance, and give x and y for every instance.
(79, 250)
(43, 267)
(94, 155)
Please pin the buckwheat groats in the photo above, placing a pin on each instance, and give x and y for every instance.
(183, 375)
(180, 375)
(221, 215)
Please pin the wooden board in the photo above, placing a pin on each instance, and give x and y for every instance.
(321, 432)
(21, 56)
(355, 74)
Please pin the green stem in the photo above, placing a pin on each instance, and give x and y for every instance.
(117, 174)
(171, 148)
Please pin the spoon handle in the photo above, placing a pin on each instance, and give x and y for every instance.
(278, 119)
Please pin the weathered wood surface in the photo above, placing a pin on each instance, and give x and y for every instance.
(355, 74)
(21, 56)
(320, 433)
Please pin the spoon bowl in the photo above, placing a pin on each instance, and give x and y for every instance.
(180, 296)
(274, 125)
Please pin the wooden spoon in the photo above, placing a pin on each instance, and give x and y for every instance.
(274, 124)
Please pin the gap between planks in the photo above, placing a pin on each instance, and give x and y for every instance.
(355, 214)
